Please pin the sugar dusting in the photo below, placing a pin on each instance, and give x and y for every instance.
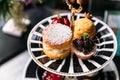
(57, 33)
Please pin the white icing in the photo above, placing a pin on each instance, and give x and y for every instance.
(57, 33)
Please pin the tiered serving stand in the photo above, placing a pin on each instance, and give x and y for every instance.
(72, 66)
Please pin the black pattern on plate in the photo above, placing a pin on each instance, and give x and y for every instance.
(65, 67)
(92, 20)
(73, 66)
(55, 64)
(39, 30)
(104, 32)
(98, 26)
(109, 46)
(75, 17)
(102, 46)
(65, 16)
(77, 67)
(45, 23)
(81, 17)
(35, 37)
(37, 53)
(106, 53)
(98, 35)
(44, 60)
(35, 45)
(110, 38)
(89, 65)
(99, 60)
(33, 71)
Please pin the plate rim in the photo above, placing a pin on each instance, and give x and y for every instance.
(29, 60)
(76, 74)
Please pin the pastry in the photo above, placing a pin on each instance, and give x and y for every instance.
(57, 41)
(84, 47)
(84, 25)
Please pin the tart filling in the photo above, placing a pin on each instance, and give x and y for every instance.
(84, 46)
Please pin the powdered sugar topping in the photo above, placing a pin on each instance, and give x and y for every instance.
(57, 33)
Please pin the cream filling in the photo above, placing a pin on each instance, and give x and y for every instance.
(56, 51)
(81, 53)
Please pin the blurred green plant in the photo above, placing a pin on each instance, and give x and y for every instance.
(42, 1)
(5, 6)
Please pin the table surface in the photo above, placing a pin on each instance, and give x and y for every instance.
(11, 46)
(14, 68)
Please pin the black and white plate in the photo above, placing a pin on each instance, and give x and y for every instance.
(33, 72)
(72, 66)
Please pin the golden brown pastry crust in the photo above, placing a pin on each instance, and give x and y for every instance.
(82, 26)
(59, 49)
(59, 55)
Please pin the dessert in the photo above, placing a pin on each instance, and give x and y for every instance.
(57, 41)
(50, 76)
(63, 20)
(84, 47)
(84, 25)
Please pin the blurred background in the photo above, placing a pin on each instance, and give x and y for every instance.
(13, 40)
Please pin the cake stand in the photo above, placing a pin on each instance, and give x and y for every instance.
(72, 66)
(31, 69)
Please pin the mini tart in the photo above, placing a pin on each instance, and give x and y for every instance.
(84, 47)
(83, 56)
(84, 25)
(57, 41)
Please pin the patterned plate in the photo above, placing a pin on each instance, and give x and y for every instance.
(72, 66)
(33, 72)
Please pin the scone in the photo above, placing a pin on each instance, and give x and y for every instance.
(84, 25)
(57, 41)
